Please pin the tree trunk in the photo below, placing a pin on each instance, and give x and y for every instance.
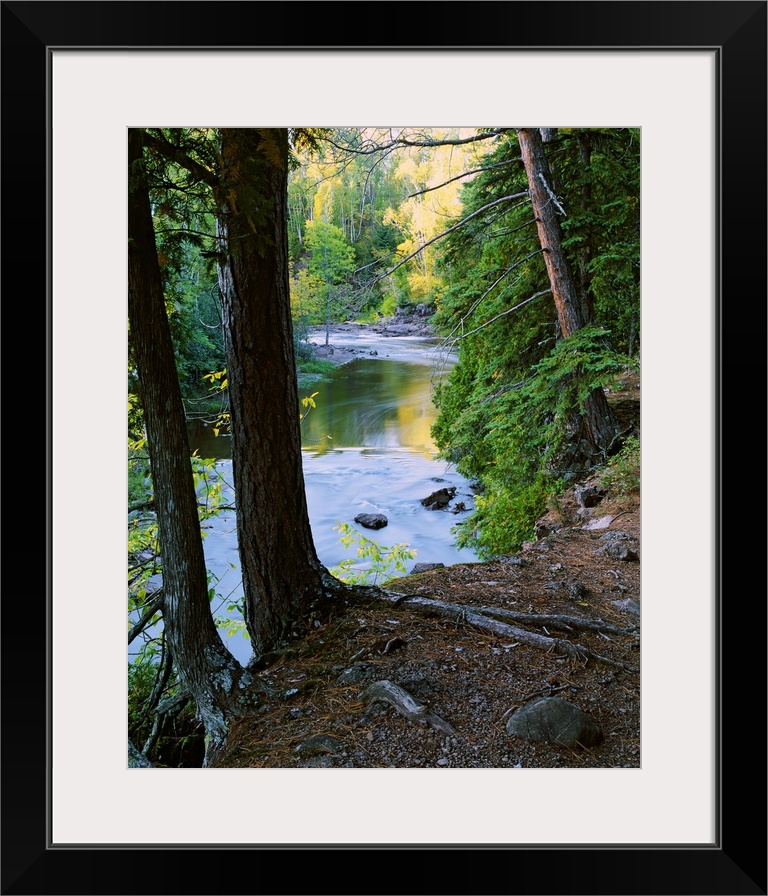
(282, 576)
(592, 430)
(585, 161)
(206, 668)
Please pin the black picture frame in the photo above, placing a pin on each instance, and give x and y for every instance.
(736, 863)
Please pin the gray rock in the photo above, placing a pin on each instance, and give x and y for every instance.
(439, 499)
(555, 721)
(320, 744)
(514, 560)
(601, 522)
(425, 567)
(371, 520)
(576, 591)
(620, 546)
(588, 495)
(357, 673)
(319, 762)
(628, 605)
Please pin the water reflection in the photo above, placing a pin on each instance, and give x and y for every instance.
(367, 448)
(371, 404)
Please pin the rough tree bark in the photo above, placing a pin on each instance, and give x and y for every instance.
(595, 428)
(585, 161)
(207, 670)
(283, 580)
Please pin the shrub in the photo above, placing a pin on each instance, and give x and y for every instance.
(384, 561)
(622, 472)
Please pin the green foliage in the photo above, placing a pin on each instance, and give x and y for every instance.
(388, 305)
(308, 294)
(381, 562)
(332, 258)
(208, 486)
(308, 402)
(505, 408)
(564, 378)
(194, 314)
(143, 561)
(142, 677)
(186, 247)
(622, 472)
(509, 434)
(504, 518)
(233, 622)
(312, 370)
(178, 741)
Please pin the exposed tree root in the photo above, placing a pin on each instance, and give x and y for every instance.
(558, 621)
(406, 704)
(477, 618)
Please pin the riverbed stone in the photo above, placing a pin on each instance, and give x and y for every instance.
(371, 520)
(439, 499)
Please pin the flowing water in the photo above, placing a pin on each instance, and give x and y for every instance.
(366, 448)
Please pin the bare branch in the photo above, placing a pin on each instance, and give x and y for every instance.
(153, 607)
(487, 291)
(369, 147)
(551, 194)
(463, 174)
(446, 232)
(537, 295)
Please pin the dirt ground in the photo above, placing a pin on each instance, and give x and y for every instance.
(584, 566)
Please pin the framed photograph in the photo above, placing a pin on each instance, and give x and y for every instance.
(692, 76)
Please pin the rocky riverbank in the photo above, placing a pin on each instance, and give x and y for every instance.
(528, 661)
(463, 666)
(415, 323)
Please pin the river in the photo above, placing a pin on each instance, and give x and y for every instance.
(366, 448)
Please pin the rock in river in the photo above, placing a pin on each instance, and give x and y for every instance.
(371, 520)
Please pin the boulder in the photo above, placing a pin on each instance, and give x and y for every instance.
(555, 721)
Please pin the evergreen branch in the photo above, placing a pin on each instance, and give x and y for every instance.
(490, 288)
(162, 231)
(175, 154)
